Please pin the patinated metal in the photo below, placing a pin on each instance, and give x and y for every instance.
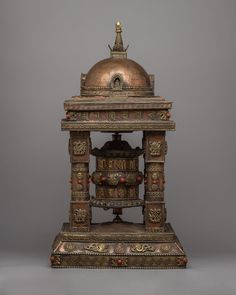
(117, 177)
(117, 95)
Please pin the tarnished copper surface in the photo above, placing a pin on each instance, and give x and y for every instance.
(118, 246)
(117, 75)
(117, 95)
(133, 75)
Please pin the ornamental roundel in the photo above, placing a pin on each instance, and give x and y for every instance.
(80, 175)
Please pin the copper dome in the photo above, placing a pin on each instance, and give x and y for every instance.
(117, 75)
(131, 73)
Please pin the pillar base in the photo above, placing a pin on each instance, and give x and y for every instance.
(117, 245)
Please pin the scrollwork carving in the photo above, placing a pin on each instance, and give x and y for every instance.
(155, 148)
(79, 147)
(155, 215)
(96, 247)
(141, 248)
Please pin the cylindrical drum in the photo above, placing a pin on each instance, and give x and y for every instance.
(117, 176)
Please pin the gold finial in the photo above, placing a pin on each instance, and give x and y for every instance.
(118, 27)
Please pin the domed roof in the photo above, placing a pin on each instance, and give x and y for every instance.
(117, 75)
(131, 73)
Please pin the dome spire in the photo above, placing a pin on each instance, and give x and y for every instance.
(118, 48)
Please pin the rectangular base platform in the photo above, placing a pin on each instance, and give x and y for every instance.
(117, 245)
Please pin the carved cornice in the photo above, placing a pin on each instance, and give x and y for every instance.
(116, 103)
(118, 125)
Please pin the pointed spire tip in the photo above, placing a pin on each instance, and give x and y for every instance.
(118, 48)
(118, 27)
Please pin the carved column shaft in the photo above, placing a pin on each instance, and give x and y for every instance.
(79, 149)
(155, 148)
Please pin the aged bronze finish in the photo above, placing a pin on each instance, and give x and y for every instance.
(117, 95)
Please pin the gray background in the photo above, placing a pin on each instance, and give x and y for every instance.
(190, 46)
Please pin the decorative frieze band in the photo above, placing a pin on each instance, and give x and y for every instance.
(119, 115)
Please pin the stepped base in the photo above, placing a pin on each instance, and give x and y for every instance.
(117, 245)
